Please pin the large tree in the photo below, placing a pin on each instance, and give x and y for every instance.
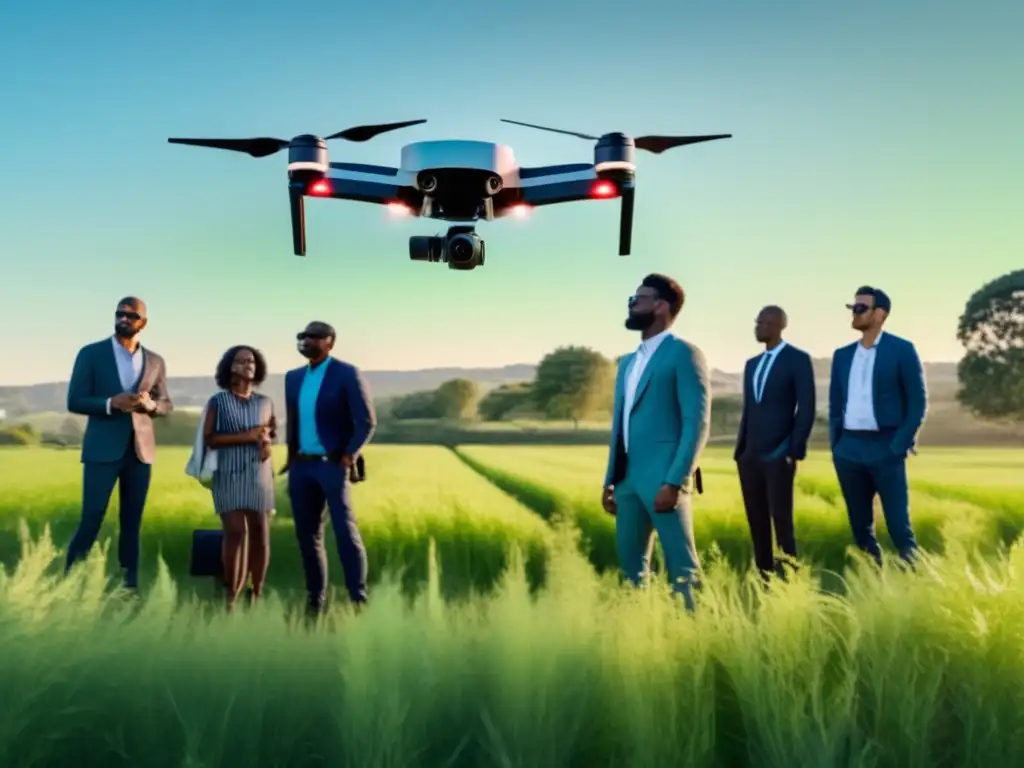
(504, 400)
(574, 383)
(457, 399)
(991, 330)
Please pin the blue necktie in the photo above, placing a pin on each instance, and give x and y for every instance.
(762, 376)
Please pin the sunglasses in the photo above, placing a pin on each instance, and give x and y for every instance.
(859, 308)
(634, 299)
(123, 315)
(302, 336)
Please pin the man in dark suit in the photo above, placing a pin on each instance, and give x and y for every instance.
(876, 405)
(121, 387)
(778, 415)
(330, 419)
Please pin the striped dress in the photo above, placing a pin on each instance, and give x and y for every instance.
(242, 481)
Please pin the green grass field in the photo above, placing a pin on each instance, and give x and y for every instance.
(515, 646)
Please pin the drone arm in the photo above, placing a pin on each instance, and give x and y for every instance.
(558, 192)
(361, 191)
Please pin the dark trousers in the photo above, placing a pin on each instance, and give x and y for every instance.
(98, 479)
(866, 466)
(767, 487)
(311, 486)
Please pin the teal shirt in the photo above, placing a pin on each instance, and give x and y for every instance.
(309, 440)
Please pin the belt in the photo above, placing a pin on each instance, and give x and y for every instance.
(309, 457)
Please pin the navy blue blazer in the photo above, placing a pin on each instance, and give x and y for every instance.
(345, 419)
(899, 389)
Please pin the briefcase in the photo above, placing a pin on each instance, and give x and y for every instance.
(206, 553)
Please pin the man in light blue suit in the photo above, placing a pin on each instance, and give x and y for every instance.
(877, 403)
(659, 428)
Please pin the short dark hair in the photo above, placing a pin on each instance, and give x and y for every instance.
(223, 373)
(881, 298)
(668, 290)
(779, 312)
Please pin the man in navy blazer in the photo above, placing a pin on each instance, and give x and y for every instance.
(329, 419)
(877, 403)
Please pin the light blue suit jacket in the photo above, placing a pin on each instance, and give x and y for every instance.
(668, 423)
(899, 391)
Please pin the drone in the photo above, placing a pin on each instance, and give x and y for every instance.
(455, 181)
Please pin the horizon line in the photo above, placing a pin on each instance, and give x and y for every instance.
(423, 370)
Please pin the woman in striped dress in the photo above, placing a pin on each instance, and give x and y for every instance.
(241, 426)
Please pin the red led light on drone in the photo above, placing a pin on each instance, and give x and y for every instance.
(320, 187)
(603, 189)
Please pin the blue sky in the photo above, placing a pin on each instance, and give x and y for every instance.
(874, 142)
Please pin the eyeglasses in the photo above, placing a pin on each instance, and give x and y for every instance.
(859, 308)
(123, 315)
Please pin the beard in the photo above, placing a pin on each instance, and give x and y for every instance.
(639, 321)
(124, 330)
(308, 352)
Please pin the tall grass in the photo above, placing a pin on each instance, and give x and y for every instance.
(904, 671)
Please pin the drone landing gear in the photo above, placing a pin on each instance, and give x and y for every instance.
(462, 248)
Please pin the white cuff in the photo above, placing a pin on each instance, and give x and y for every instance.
(108, 406)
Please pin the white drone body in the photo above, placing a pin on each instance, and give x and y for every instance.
(456, 181)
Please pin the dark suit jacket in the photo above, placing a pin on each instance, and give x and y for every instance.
(900, 393)
(94, 379)
(345, 419)
(780, 425)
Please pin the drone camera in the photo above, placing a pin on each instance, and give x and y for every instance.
(461, 249)
(494, 184)
(427, 182)
(464, 251)
(426, 248)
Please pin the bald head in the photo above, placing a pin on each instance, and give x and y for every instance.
(133, 304)
(129, 317)
(771, 322)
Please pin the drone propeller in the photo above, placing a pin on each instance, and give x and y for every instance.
(264, 146)
(653, 144)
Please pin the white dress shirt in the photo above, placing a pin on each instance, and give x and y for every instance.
(643, 355)
(765, 364)
(129, 366)
(860, 390)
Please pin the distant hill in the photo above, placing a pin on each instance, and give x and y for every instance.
(193, 391)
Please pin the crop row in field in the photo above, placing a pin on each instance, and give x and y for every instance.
(412, 495)
(975, 497)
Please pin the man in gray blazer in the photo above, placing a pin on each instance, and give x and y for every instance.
(121, 387)
(659, 428)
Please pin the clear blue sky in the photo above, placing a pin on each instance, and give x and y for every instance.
(875, 142)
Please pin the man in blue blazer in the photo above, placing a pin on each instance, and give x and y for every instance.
(330, 418)
(660, 425)
(121, 387)
(877, 403)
